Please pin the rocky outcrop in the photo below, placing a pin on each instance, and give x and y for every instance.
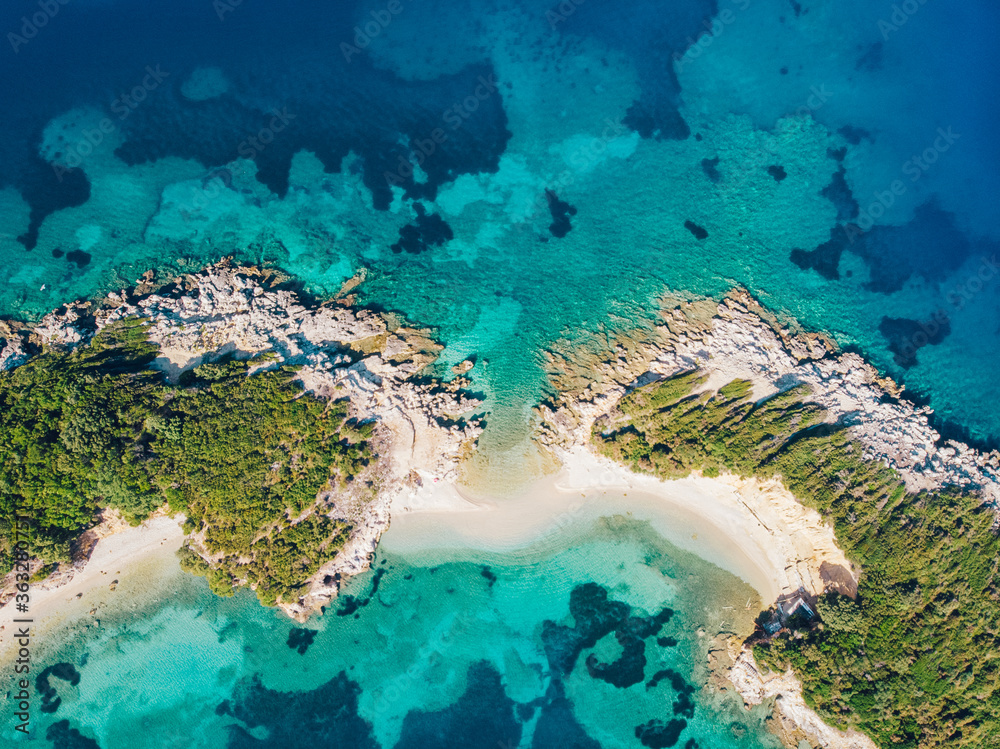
(738, 339)
(341, 352)
(13, 347)
(796, 721)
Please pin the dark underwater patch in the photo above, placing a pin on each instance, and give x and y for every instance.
(292, 89)
(854, 135)
(350, 604)
(659, 735)
(63, 736)
(46, 692)
(326, 716)
(930, 245)
(45, 192)
(629, 668)
(426, 231)
(699, 232)
(710, 167)
(482, 718)
(558, 728)
(906, 336)
(300, 639)
(777, 172)
(656, 36)
(825, 259)
(488, 574)
(561, 211)
(595, 617)
(872, 58)
(81, 258)
(683, 705)
(839, 193)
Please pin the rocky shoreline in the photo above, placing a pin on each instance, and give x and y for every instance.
(737, 339)
(421, 436)
(342, 351)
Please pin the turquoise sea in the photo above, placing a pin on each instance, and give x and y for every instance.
(598, 636)
(521, 176)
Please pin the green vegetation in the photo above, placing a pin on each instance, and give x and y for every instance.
(914, 661)
(243, 456)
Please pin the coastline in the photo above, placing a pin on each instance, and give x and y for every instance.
(757, 531)
(131, 561)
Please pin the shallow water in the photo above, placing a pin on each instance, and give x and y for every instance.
(575, 643)
(783, 124)
(689, 145)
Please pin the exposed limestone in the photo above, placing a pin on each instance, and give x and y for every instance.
(342, 352)
(13, 351)
(740, 341)
(733, 339)
(796, 720)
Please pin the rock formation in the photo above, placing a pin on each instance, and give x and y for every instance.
(342, 352)
(736, 338)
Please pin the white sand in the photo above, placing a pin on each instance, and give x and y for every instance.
(758, 531)
(755, 530)
(136, 557)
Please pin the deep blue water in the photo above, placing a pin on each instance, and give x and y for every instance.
(518, 175)
(470, 111)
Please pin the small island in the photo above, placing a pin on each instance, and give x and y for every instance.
(285, 434)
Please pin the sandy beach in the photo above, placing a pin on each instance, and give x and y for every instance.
(123, 566)
(756, 530)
